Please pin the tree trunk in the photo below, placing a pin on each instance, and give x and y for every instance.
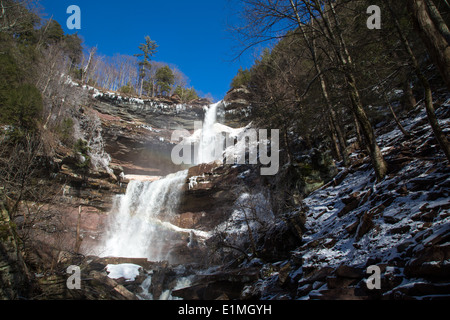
(323, 85)
(409, 99)
(359, 138)
(397, 120)
(437, 130)
(394, 115)
(14, 276)
(84, 76)
(376, 156)
(438, 20)
(339, 134)
(434, 33)
(439, 134)
(79, 239)
(287, 145)
(346, 63)
(334, 141)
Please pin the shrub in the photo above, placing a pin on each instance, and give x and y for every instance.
(81, 152)
(128, 89)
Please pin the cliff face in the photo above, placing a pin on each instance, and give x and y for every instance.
(137, 132)
(217, 200)
(237, 102)
(129, 136)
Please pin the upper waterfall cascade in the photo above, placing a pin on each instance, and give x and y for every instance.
(206, 153)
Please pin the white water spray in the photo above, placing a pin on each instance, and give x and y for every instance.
(207, 143)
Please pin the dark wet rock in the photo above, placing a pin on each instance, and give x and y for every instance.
(212, 286)
(138, 132)
(419, 291)
(15, 278)
(279, 241)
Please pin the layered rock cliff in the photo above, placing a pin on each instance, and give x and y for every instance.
(137, 132)
(237, 107)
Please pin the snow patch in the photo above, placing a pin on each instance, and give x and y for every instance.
(127, 271)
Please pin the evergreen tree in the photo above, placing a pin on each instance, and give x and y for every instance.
(128, 89)
(73, 47)
(242, 79)
(53, 33)
(186, 94)
(148, 51)
(20, 103)
(164, 80)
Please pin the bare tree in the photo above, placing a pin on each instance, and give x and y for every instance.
(334, 126)
(18, 164)
(14, 15)
(438, 132)
(88, 67)
(180, 78)
(268, 20)
(336, 39)
(53, 81)
(247, 225)
(126, 69)
(434, 33)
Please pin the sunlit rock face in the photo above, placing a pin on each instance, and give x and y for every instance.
(137, 133)
(237, 103)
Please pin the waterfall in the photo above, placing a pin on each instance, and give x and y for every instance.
(206, 150)
(139, 225)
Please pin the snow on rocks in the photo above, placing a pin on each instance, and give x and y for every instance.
(401, 225)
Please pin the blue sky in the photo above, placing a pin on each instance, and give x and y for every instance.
(191, 34)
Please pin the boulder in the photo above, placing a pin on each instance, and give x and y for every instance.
(350, 272)
(14, 274)
(351, 203)
(281, 238)
(208, 195)
(430, 261)
(419, 291)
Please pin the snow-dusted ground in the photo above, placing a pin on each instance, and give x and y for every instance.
(393, 211)
(384, 239)
(356, 222)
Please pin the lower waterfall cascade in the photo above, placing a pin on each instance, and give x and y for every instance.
(139, 223)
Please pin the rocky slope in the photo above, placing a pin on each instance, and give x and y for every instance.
(401, 225)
